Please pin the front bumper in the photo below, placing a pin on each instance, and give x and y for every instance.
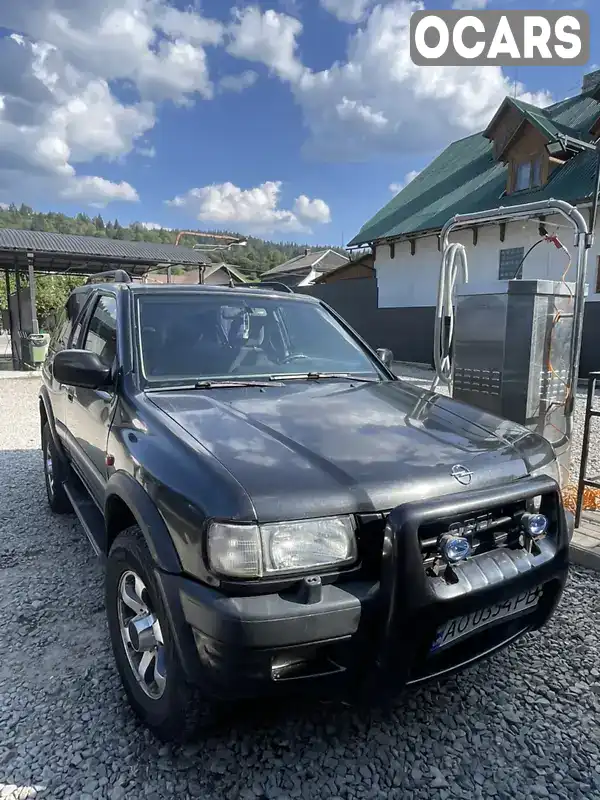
(250, 645)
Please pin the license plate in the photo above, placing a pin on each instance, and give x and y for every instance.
(460, 627)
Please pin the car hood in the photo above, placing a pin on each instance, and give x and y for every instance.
(306, 449)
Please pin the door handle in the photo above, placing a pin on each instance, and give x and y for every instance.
(70, 395)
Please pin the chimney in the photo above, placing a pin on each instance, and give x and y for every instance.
(590, 81)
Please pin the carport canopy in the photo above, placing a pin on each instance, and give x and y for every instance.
(66, 254)
(87, 255)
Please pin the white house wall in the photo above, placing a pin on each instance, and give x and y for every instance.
(408, 281)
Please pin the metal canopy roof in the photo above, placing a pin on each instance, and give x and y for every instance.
(86, 255)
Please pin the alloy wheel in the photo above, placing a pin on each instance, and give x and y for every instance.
(49, 470)
(141, 635)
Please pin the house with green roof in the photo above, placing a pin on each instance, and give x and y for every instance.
(508, 163)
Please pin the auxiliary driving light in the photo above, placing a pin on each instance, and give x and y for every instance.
(454, 548)
(535, 525)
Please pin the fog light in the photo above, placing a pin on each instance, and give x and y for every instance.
(454, 548)
(535, 525)
(291, 662)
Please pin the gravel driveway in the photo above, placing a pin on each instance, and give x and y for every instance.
(525, 724)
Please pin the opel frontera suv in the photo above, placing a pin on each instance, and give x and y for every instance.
(276, 509)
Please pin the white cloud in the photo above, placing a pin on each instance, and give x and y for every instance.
(95, 124)
(154, 226)
(312, 210)
(348, 10)
(254, 209)
(160, 49)
(147, 151)
(395, 188)
(377, 101)
(57, 82)
(268, 38)
(469, 4)
(237, 83)
(98, 191)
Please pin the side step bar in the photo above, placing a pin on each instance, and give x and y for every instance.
(88, 513)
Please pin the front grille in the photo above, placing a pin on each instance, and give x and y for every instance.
(487, 530)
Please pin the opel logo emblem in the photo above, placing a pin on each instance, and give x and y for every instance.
(462, 474)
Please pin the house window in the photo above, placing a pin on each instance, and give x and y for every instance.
(511, 263)
(527, 174)
(522, 176)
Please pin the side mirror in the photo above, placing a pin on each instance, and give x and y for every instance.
(80, 368)
(385, 356)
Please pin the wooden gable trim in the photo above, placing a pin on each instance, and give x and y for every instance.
(504, 107)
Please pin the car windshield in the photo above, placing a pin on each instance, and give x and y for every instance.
(228, 336)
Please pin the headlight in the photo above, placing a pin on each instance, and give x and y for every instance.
(250, 551)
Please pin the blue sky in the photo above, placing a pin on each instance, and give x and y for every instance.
(289, 119)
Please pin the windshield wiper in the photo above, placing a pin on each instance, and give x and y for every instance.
(230, 384)
(319, 376)
(180, 387)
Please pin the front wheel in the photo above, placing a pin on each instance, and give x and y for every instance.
(143, 645)
(54, 474)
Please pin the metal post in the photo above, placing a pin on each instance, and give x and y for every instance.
(13, 346)
(34, 319)
(578, 312)
(19, 316)
(586, 445)
(169, 273)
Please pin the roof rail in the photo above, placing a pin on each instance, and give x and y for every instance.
(112, 276)
(278, 287)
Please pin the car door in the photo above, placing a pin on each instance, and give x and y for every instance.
(89, 411)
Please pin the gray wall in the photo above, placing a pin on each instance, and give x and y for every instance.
(409, 331)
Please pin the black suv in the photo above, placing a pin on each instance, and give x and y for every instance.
(276, 509)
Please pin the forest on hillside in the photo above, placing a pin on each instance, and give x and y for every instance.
(255, 258)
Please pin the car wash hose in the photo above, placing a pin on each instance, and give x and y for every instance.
(454, 261)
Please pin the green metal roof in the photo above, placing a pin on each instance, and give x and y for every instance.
(541, 120)
(465, 178)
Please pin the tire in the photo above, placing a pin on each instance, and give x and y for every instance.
(54, 475)
(180, 710)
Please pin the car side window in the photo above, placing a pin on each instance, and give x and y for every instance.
(101, 334)
(62, 331)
